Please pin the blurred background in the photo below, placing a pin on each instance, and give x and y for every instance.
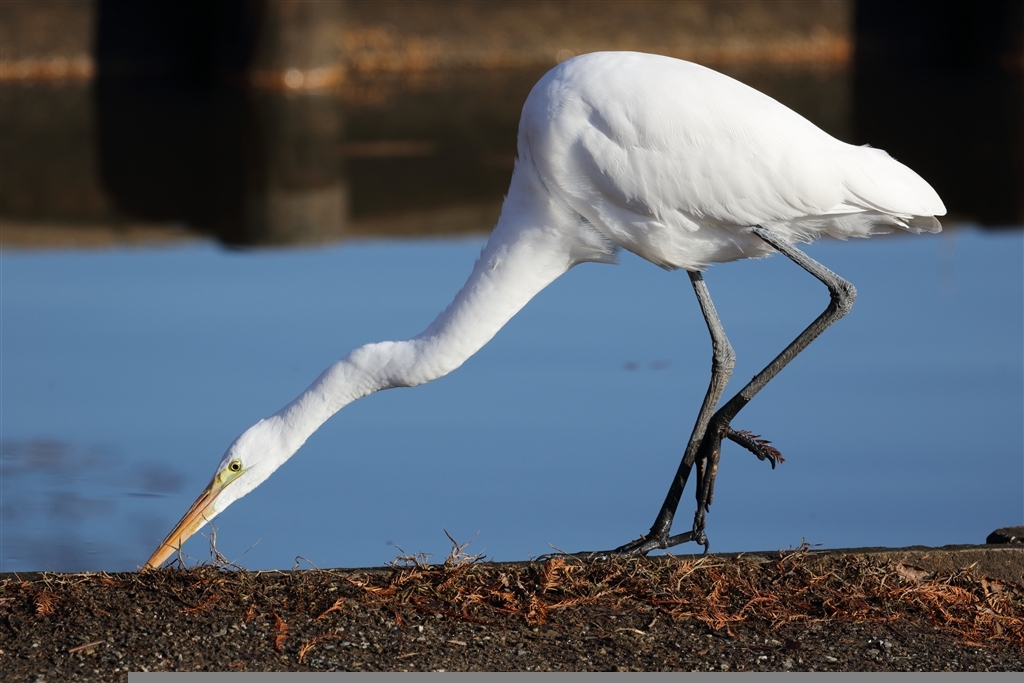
(260, 122)
(145, 148)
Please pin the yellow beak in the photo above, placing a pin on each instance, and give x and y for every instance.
(194, 519)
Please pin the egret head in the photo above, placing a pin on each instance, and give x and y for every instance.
(247, 463)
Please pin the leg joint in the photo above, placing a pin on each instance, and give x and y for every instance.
(843, 295)
(724, 357)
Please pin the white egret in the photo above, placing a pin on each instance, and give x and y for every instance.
(670, 160)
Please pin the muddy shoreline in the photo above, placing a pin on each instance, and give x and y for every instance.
(957, 608)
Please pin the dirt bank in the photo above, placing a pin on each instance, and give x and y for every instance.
(955, 608)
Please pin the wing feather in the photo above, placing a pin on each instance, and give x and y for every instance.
(676, 162)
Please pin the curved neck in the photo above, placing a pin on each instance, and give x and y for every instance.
(529, 248)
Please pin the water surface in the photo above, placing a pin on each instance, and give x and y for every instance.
(127, 372)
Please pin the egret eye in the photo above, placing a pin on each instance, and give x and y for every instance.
(235, 466)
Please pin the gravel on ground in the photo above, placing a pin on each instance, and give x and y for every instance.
(918, 609)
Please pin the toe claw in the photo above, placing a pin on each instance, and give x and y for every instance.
(762, 448)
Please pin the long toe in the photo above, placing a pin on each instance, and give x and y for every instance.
(638, 548)
(762, 448)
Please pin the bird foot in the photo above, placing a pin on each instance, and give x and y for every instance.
(707, 469)
(762, 448)
(709, 455)
(637, 548)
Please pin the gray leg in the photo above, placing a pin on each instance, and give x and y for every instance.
(723, 360)
(843, 295)
(704, 447)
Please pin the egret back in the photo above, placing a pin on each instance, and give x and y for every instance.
(677, 162)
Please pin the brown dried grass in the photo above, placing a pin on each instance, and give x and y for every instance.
(724, 594)
(794, 587)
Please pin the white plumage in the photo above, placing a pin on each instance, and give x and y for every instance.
(674, 161)
(670, 160)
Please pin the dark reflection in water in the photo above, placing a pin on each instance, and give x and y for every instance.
(264, 168)
(941, 86)
(155, 480)
(937, 87)
(49, 524)
(175, 137)
(51, 456)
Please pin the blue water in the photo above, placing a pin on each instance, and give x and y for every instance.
(126, 372)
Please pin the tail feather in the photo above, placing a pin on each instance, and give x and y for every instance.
(880, 183)
(919, 224)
